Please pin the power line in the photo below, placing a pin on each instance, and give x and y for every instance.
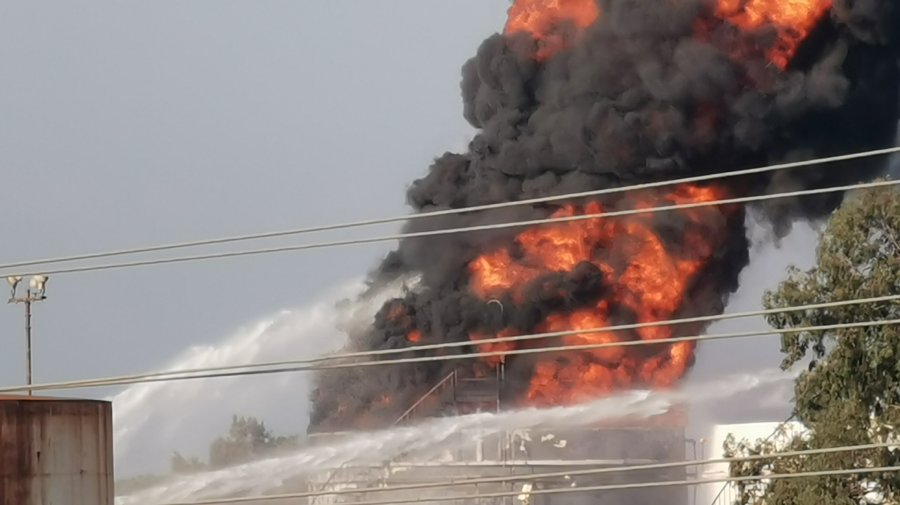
(543, 476)
(444, 345)
(618, 327)
(638, 485)
(609, 487)
(240, 369)
(423, 215)
(467, 229)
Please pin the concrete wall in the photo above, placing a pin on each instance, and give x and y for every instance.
(55, 451)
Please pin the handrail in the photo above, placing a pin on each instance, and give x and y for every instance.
(450, 377)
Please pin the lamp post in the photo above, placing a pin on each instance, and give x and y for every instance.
(35, 293)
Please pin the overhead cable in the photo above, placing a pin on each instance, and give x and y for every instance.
(445, 345)
(453, 231)
(255, 369)
(608, 487)
(132, 379)
(461, 210)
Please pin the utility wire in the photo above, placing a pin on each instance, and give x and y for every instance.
(453, 231)
(721, 317)
(461, 210)
(240, 370)
(542, 476)
(444, 345)
(609, 487)
(637, 485)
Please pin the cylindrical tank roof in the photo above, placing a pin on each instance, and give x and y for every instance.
(55, 451)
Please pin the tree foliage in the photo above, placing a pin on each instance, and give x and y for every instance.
(849, 391)
(138, 483)
(183, 465)
(247, 439)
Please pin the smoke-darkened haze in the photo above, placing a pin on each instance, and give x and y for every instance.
(579, 95)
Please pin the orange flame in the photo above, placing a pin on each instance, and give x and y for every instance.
(643, 274)
(557, 248)
(645, 277)
(545, 21)
(791, 19)
(495, 360)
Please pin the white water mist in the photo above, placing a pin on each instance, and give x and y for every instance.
(153, 420)
(434, 436)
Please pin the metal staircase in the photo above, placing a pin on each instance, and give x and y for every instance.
(456, 394)
(432, 402)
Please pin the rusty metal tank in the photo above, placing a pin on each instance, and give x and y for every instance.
(55, 451)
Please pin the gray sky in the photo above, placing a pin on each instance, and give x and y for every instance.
(132, 123)
(129, 123)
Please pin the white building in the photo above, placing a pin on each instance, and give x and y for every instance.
(721, 493)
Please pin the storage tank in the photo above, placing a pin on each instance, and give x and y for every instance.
(55, 451)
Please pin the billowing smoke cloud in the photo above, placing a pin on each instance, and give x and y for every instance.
(648, 91)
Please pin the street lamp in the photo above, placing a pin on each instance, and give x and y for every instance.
(36, 292)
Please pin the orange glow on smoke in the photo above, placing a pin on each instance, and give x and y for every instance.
(791, 19)
(547, 249)
(642, 275)
(545, 20)
(646, 276)
(494, 360)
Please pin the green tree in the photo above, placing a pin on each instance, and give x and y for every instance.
(182, 465)
(138, 483)
(247, 439)
(849, 392)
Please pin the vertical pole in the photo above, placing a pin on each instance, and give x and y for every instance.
(28, 340)
(501, 435)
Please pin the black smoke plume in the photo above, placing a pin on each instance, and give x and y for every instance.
(627, 103)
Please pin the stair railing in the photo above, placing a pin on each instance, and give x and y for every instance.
(448, 383)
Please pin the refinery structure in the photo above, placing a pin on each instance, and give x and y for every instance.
(509, 458)
(59, 450)
(562, 459)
